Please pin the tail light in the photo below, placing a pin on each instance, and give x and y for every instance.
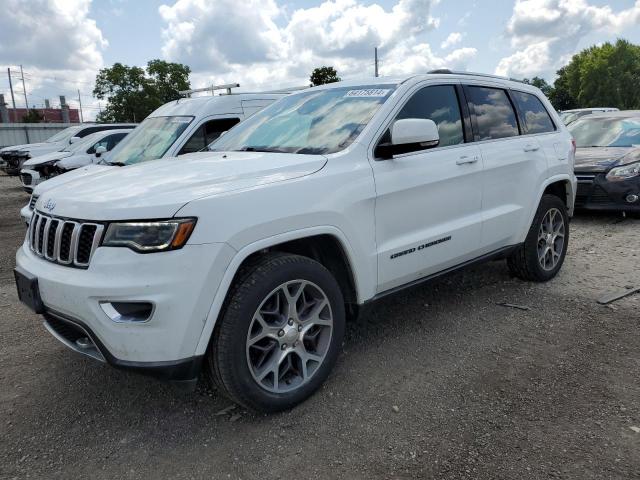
(573, 144)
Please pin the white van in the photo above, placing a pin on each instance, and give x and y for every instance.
(182, 126)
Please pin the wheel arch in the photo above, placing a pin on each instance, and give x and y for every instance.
(563, 189)
(327, 245)
(562, 186)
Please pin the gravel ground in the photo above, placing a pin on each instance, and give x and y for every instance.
(436, 382)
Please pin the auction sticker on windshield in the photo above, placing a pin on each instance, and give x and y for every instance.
(368, 92)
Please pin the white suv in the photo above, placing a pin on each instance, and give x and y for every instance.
(246, 261)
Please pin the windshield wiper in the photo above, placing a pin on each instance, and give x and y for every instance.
(116, 164)
(261, 149)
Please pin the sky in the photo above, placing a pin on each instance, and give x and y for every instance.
(268, 44)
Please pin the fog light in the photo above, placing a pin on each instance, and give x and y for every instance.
(632, 198)
(128, 312)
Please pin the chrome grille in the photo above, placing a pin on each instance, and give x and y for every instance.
(32, 201)
(63, 241)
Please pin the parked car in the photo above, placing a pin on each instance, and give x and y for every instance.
(247, 260)
(176, 128)
(91, 149)
(15, 156)
(608, 161)
(570, 116)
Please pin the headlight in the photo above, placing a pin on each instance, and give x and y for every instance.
(624, 172)
(153, 236)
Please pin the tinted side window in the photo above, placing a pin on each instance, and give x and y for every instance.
(536, 117)
(440, 104)
(115, 139)
(207, 133)
(494, 114)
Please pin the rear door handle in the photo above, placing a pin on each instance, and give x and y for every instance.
(531, 148)
(466, 159)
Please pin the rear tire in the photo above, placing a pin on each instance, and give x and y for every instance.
(542, 254)
(279, 333)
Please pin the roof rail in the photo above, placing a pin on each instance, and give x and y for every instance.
(455, 72)
(212, 88)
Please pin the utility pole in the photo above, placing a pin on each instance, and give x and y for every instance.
(80, 102)
(13, 100)
(375, 53)
(24, 89)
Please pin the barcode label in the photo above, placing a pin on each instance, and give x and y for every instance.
(368, 92)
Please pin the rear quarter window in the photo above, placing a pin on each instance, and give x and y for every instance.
(536, 117)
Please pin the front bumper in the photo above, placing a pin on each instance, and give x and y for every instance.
(180, 285)
(71, 332)
(595, 192)
(26, 213)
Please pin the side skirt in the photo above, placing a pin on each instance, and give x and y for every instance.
(495, 255)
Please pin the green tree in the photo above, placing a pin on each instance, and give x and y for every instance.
(32, 116)
(560, 95)
(322, 75)
(541, 83)
(168, 79)
(133, 93)
(600, 76)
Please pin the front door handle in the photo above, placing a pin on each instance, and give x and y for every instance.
(466, 159)
(531, 148)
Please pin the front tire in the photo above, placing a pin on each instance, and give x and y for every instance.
(279, 334)
(541, 256)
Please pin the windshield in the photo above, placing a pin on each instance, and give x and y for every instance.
(606, 132)
(314, 122)
(63, 135)
(150, 140)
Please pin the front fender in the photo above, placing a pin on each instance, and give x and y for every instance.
(360, 283)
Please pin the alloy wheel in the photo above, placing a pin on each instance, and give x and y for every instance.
(289, 336)
(551, 239)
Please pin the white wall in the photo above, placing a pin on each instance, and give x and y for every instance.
(19, 133)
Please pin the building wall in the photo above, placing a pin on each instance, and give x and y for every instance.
(19, 133)
(51, 115)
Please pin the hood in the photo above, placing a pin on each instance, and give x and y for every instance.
(24, 147)
(35, 149)
(56, 181)
(47, 157)
(599, 159)
(158, 189)
(76, 161)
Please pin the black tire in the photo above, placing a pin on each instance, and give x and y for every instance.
(227, 361)
(523, 262)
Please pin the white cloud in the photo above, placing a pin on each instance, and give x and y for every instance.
(259, 43)
(546, 33)
(58, 44)
(52, 34)
(453, 39)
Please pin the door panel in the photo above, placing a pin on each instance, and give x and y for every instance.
(513, 165)
(428, 212)
(514, 169)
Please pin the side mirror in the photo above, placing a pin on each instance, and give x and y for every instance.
(74, 139)
(410, 135)
(415, 130)
(100, 150)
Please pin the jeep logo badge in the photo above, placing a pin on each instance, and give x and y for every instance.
(50, 205)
